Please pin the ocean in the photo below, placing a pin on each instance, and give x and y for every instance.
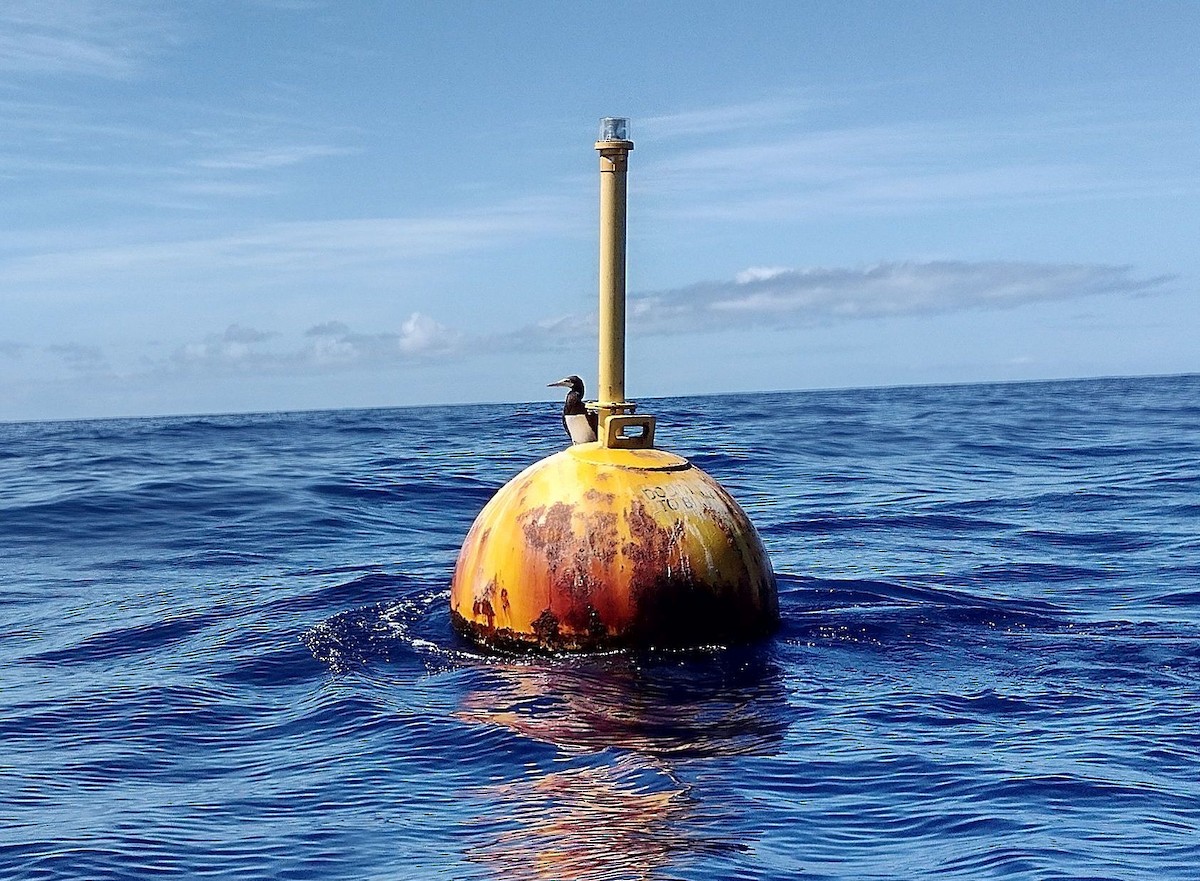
(226, 652)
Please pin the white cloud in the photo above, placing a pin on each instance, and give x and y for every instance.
(812, 296)
(236, 346)
(773, 297)
(334, 344)
(759, 273)
(421, 335)
(331, 345)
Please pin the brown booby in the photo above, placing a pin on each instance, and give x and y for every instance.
(577, 420)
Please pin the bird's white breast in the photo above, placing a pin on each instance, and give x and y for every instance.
(581, 432)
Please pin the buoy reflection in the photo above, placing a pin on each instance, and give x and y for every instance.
(719, 706)
(616, 804)
(617, 821)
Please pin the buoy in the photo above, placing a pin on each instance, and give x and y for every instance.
(597, 547)
(613, 543)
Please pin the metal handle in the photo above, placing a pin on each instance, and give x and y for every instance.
(629, 432)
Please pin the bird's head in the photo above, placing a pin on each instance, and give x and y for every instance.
(574, 383)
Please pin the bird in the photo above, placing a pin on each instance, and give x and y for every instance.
(577, 420)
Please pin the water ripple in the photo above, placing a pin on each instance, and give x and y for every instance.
(227, 650)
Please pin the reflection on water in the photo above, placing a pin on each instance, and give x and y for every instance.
(617, 804)
(721, 704)
(624, 819)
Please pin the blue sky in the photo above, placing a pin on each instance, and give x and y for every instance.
(233, 205)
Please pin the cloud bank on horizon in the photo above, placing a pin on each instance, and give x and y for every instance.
(761, 298)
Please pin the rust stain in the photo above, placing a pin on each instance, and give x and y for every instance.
(601, 532)
(579, 582)
(483, 608)
(652, 543)
(529, 526)
(595, 497)
(586, 624)
(557, 534)
(545, 628)
(726, 529)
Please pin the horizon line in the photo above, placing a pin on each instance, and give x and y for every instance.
(792, 391)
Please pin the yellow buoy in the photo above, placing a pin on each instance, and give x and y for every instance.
(613, 543)
(596, 547)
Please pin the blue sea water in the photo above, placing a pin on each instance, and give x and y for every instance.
(225, 650)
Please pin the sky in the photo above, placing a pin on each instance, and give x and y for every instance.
(261, 205)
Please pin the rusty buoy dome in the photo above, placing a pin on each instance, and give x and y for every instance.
(595, 547)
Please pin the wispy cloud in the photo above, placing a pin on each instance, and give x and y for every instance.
(107, 38)
(775, 298)
(296, 247)
(272, 157)
(797, 170)
(289, 5)
(69, 153)
(726, 119)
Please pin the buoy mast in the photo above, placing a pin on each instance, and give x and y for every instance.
(613, 146)
(618, 426)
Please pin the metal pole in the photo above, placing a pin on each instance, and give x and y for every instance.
(614, 150)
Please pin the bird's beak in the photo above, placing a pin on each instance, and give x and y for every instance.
(565, 382)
